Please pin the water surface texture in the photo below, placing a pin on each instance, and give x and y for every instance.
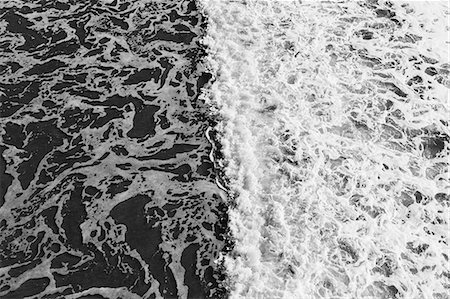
(136, 135)
(336, 142)
(107, 187)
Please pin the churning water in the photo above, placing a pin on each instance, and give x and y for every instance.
(335, 140)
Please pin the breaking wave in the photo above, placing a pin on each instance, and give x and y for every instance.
(335, 144)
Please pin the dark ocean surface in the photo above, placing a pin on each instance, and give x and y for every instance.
(107, 187)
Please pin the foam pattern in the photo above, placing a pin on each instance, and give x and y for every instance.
(107, 189)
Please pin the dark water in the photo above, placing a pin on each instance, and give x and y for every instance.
(107, 189)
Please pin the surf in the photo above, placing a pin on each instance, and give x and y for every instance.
(334, 137)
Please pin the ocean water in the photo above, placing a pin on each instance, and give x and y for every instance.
(224, 149)
(335, 141)
(107, 187)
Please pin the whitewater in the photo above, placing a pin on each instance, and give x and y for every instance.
(335, 141)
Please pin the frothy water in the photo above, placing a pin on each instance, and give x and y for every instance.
(335, 140)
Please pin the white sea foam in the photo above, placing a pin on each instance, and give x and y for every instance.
(336, 141)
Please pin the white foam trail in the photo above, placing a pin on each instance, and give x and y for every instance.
(335, 137)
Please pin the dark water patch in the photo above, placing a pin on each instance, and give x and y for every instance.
(144, 75)
(144, 123)
(189, 262)
(29, 288)
(45, 68)
(14, 135)
(74, 214)
(171, 153)
(435, 145)
(6, 178)
(143, 236)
